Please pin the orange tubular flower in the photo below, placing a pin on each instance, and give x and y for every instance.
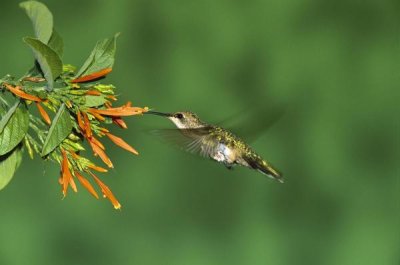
(120, 122)
(97, 168)
(93, 93)
(74, 155)
(88, 130)
(106, 192)
(112, 97)
(97, 142)
(66, 175)
(43, 113)
(104, 130)
(98, 116)
(100, 152)
(108, 104)
(85, 183)
(97, 147)
(20, 93)
(72, 184)
(125, 110)
(92, 76)
(80, 122)
(121, 143)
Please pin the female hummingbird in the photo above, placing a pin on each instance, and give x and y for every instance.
(216, 143)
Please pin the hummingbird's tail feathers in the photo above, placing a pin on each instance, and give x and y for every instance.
(264, 167)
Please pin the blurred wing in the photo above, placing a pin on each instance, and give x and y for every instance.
(194, 141)
(251, 123)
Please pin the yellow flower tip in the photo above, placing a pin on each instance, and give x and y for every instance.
(106, 191)
(104, 130)
(68, 104)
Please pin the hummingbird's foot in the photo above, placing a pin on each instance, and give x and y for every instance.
(230, 167)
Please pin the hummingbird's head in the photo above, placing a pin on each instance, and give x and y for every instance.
(182, 119)
(186, 120)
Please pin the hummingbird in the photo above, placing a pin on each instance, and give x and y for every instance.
(213, 142)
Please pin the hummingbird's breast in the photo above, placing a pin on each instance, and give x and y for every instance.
(224, 153)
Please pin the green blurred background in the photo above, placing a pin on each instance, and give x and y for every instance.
(332, 67)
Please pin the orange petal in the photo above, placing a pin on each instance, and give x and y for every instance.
(93, 92)
(100, 152)
(104, 130)
(98, 116)
(85, 183)
(120, 111)
(72, 184)
(92, 76)
(112, 97)
(66, 174)
(74, 155)
(121, 143)
(120, 122)
(106, 192)
(87, 127)
(80, 122)
(43, 113)
(97, 168)
(20, 93)
(97, 142)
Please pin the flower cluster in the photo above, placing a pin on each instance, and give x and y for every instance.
(82, 104)
(89, 108)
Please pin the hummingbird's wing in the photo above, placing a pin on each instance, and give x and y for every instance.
(196, 141)
(251, 123)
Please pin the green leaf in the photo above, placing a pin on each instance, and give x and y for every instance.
(15, 128)
(61, 127)
(9, 163)
(56, 43)
(94, 101)
(41, 18)
(7, 116)
(49, 61)
(102, 56)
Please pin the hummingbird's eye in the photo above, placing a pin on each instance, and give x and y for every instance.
(179, 115)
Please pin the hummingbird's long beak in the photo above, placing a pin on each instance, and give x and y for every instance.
(159, 113)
